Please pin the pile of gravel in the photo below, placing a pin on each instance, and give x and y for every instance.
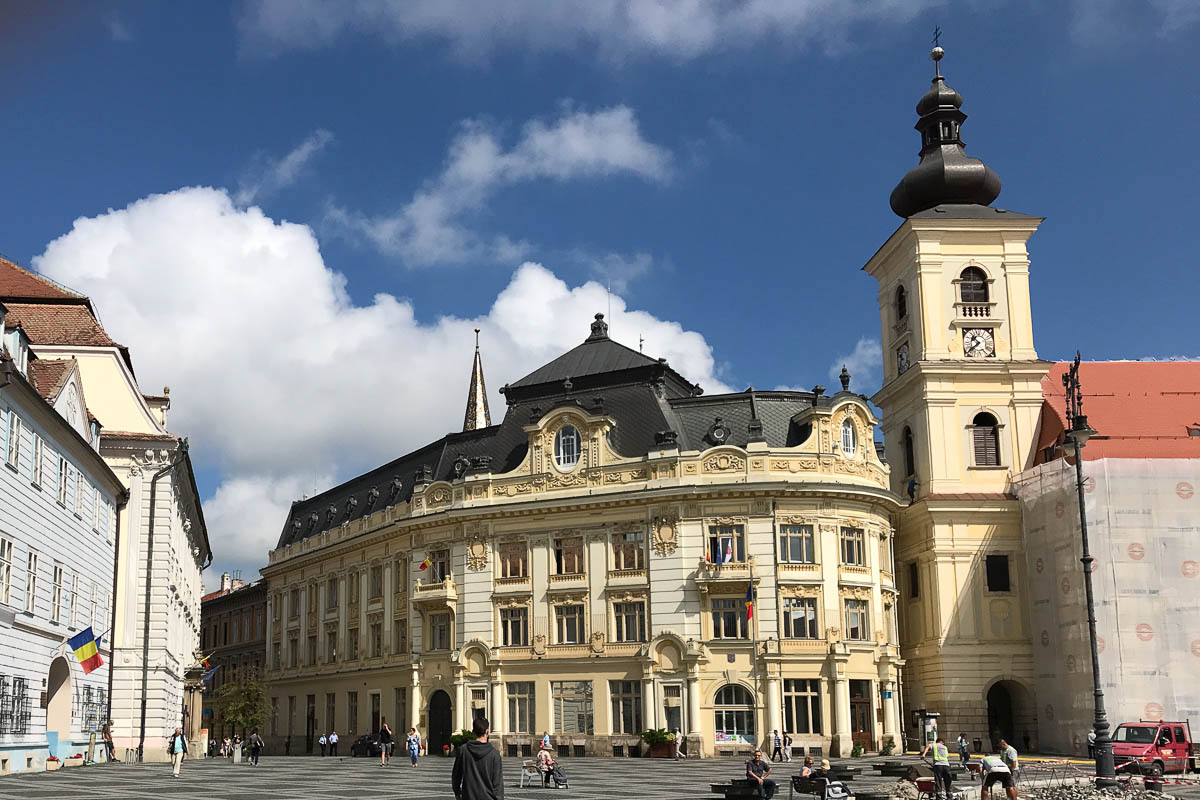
(1136, 791)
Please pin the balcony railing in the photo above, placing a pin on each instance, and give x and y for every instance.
(974, 310)
(443, 591)
(733, 571)
(854, 574)
(516, 584)
(626, 577)
(568, 581)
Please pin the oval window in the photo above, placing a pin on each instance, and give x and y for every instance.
(849, 439)
(566, 447)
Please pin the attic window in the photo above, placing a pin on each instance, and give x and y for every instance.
(566, 447)
(1194, 430)
(849, 438)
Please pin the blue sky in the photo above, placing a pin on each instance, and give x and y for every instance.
(378, 173)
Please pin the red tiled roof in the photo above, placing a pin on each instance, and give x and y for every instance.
(1140, 409)
(18, 283)
(213, 595)
(49, 374)
(66, 324)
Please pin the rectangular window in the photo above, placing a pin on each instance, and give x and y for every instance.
(56, 597)
(355, 587)
(376, 639)
(92, 607)
(295, 604)
(400, 709)
(514, 560)
(82, 491)
(520, 707)
(311, 593)
(331, 593)
(400, 577)
(568, 622)
(439, 569)
(38, 455)
(802, 705)
(439, 631)
(331, 647)
(14, 440)
(796, 544)
(351, 713)
(626, 706)
(800, 617)
(376, 582)
(857, 626)
(629, 550)
(293, 650)
(352, 643)
(276, 657)
(400, 636)
(914, 583)
(5, 570)
(726, 544)
(331, 711)
(63, 474)
(997, 574)
(312, 650)
(95, 509)
(31, 582)
(729, 618)
(630, 621)
(277, 606)
(274, 716)
(568, 555)
(573, 707)
(854, 552)
(514, 627)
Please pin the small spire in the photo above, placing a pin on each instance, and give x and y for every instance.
(845, 378)
(477, 415)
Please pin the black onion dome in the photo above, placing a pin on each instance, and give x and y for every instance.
(946, 174)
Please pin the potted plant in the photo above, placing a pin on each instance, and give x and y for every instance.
(445, 749)
(661, 742)
(857, 751)
(889, 747)
(74, 761)
(457, 740)
(52, 763)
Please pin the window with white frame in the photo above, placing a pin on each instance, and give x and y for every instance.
(81, 494)
(568, 623)
(95, 509)
(568, 555)
(802, 705)
(567, 445)
(849, 438)
(92, 606)
(514, 560)
(629, 550)
(400, 636)
(63, 473)
(726, 544)
(630, 621)
(729, 618)
(626, 706)
(31, 582)
(439, 631)
(734, 714)
(853, 546)
(514, 627)
(797, 545)
(39, 449)
(800, 618)
(857, 627)
(520, 706)
(5, 570)
(56, 595)
(573, 706)
(331, 595)
(14, 440)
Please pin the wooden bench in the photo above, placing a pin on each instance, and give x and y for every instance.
(740, 789)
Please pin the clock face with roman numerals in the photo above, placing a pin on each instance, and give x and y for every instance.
(978, 343)
(902, 358)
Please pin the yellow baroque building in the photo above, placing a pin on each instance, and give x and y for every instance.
(587, 563)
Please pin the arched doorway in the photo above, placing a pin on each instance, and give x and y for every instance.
(58, 700)
(440, 721)
(1000, 715)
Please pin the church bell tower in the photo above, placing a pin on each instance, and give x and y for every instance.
(961, 398)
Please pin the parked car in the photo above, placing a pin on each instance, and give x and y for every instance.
(366, 745)
(1152, 747)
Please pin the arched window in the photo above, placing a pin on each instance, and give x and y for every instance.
(566, 447)
(973, 285)
(985, 435)
(901, 303)
(734, 714)
(910, 457)
(849, 438)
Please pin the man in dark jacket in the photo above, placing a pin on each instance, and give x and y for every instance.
(478, 773)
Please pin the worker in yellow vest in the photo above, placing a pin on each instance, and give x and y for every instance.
(941, 766)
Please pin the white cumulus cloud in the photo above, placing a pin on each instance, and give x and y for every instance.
(864, 363)
(266, 176)
(283, 382)
(432, 228)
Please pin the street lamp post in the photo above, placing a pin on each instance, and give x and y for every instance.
(1077, 434)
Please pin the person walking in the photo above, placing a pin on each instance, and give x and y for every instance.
(333, 740)
(678, 744)
(177, 749)
(478, 772)
(996, 771)
(385, 744)
(256, 746)
(323, 741)
(941, 766)
(964, 750)
(413, 743)
(1091, 743)
(546, 740)
(760, 771)
(787, 747)
(776, 745)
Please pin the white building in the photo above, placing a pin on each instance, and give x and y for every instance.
(58, 509)
(162, 545)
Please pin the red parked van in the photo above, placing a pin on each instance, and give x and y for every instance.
(1152, 747)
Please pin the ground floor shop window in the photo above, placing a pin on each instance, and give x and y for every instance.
(573, 709)
(351, 712)
(802, 705)
(734, 714)
(520, 707)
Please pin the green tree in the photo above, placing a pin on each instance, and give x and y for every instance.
(243, 704)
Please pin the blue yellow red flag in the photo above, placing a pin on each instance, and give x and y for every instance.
(750, 601)
(84, 645)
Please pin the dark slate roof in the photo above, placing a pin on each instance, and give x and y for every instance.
(967, 211)
(644, 397)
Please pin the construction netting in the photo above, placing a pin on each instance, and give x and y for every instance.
(1144, 531)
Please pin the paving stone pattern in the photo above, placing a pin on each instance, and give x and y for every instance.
(314, 778)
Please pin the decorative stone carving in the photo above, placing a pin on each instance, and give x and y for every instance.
(798, 519)
(725, 521)
(723, 462)
(566, 481)
(691, 510)
(597, 642)
(665, 535)
(539, 644)
(832, 634)
(800, 590)
(477, 553)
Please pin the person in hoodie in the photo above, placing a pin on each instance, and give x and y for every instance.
(478, 772)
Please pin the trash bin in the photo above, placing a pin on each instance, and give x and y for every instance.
(978, 745)
(237, 754)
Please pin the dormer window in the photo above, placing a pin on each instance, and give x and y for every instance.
(566, 447)
(849, 438)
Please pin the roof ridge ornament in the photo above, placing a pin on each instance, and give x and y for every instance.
(477, 416)
(599, 329)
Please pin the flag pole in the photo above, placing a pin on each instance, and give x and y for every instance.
(754, 648)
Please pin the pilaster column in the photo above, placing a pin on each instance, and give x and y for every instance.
(460, 703)
(389, 607)
(693, 703)
(363, 588)
(415, 700)
(839, 704)
(270, 614)
(889, 711)
(773, 708)
(343, 601)
(649, 706)
(497, 692)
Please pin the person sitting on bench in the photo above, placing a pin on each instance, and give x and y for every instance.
(548, 766)
(758, 770)
(827, 788)
(807, 770)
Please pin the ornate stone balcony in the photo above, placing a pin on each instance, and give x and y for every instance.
(853, 574)
(572, 580)
(790, 572)
(709, 574)
(432, 594)
(627, 577)
(517, 585)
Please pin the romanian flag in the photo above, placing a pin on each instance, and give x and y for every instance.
(84, 645)
(750, 602)
(426, 564)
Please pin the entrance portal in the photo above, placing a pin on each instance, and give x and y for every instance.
(861, 716)
(1000, 715)
(58, 699)
(440, 721)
